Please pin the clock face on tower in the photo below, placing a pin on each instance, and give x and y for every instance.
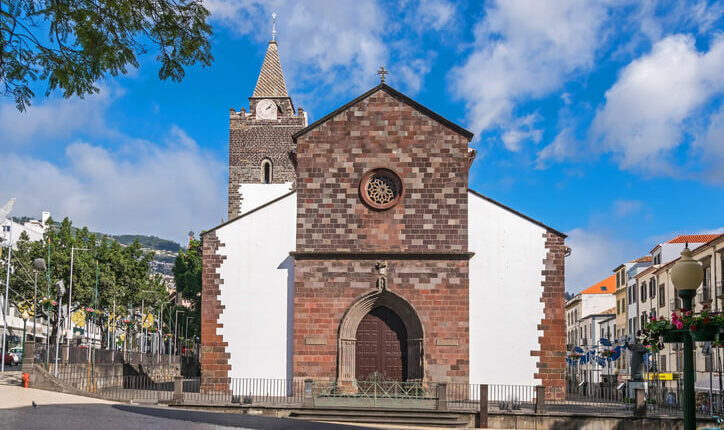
(266, 109)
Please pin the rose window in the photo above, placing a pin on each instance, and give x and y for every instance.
(381, 188)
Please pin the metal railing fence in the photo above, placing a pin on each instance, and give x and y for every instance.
(106, 381)
(246, 391)
(599, 398)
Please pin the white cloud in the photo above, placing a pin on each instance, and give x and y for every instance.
(594, 255)
(645, 115)
(424, 15)
(56, 118)
(162, 189)
(624, 208)
(323, 43)
(709, 146)
(320, 41)
(525, 49)
(564, 146)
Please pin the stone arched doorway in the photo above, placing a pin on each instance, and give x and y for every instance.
(381, 346)
(381, 304)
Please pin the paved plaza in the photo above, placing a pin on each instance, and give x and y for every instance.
(65, 411)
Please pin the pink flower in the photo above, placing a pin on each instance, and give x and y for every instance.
(653, 318)
(679, 325)
(688, 313)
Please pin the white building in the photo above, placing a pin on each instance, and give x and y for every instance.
(34, 229)
(458, 287)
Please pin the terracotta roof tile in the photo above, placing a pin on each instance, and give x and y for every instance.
(607, 286)
(644, 259)
(694, 238)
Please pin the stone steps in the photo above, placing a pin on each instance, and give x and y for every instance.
(383, 416)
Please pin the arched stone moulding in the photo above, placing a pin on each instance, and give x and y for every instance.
(347, 338)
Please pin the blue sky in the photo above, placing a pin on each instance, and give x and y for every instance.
(602, 119)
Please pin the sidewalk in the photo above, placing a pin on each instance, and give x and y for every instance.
(15, 396)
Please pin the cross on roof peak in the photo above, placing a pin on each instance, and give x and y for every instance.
(382, 72)
(274, 26)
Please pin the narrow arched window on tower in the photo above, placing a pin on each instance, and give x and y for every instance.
(266, 172)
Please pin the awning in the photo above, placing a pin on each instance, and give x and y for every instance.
(702, 384)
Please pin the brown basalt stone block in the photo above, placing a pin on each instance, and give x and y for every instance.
(213, 357)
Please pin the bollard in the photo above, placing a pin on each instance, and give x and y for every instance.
(308, 400)
(26, 379)
(640, 405)
(540, 398)
(442, 397)
(483, 406)
(178, 389)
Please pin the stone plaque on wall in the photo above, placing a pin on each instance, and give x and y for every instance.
(315, 341)
(446, 342)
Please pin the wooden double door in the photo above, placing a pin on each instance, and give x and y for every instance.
(381, 346)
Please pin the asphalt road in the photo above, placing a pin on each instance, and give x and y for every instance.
(121, 416)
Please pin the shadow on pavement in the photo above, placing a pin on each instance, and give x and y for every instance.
(115, 416)
(234, 420)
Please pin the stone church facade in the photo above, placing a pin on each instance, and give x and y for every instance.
(354, 246)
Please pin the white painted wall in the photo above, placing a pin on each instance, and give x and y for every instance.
(596, 303)
(255, 195)
(505, 293)
(33, 229)
(258, 290)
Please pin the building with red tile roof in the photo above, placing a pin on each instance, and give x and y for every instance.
(694, 238)
(607, 286)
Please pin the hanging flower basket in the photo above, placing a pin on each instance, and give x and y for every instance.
(673, 335)
(707, 333)
(47, 303)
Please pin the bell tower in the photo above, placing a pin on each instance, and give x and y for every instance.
(261, 164)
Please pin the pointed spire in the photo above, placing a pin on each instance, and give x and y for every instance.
(271, 79)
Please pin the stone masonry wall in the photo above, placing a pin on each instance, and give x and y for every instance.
(250, 142)
(552, 353)
(437, 290)
(431, 159)
(382, 131)
(213, 357)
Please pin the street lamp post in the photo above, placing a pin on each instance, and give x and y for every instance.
(143, 320)
(70, 290)
(186, 334)
(5, 297)
(25, 317)
(175, 332)
(60, 288)
(687, 275)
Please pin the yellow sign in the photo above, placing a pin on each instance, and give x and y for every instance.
(148, 321)
(26, 306)
(662, 376)
(78, 318)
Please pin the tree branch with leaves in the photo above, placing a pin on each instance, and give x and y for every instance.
(72, 44)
